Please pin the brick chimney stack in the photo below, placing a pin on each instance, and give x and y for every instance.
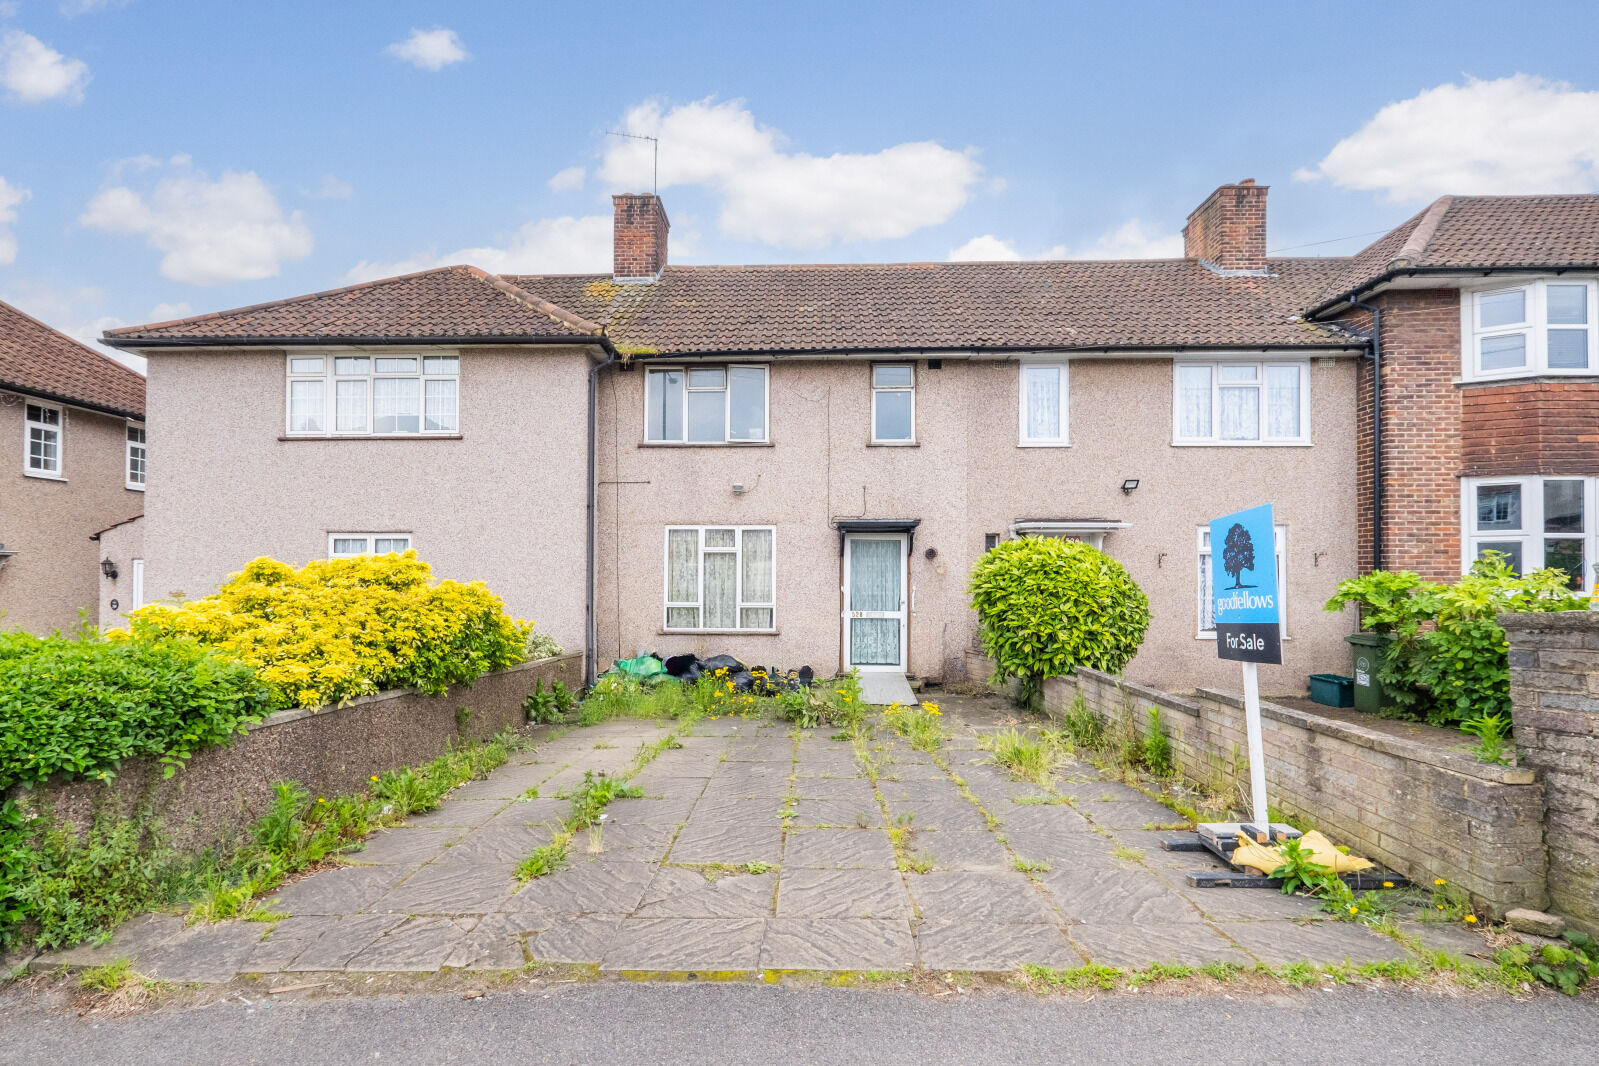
(1228, 230)
(638, 241)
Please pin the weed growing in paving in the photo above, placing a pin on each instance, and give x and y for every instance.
(1037, 799)
(1565, 968)
(590, 798)
(545, 860)
(1157, 753)
(108, 978)
(1090, 976)
(1028, 866)
(1028, 758)
(921, 724)
(1127, 854)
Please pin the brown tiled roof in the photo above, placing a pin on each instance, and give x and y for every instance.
(1064, 304)
(38, 360)
(1488, 232)
(454, 303)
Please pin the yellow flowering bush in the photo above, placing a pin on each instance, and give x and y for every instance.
(336, 629)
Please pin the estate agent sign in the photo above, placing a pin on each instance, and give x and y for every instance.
(1243, 577)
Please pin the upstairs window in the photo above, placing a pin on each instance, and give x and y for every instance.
(705, 405)
(1043, 404)
(135, 457)
(373, 395)
(1240, 403)
(894, 404)
(353, 545)
(1542, 327)
(42, 457)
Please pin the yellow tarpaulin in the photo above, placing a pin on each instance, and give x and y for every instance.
(1313, 844)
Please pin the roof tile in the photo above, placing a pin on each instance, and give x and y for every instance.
(37, 359)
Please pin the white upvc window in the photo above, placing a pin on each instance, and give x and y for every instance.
(894, 403)
(135, 456)
(388, 395)
(705, 404)
(353, 545)
(1207, 604)
(41, 444)
(1241, 402)
(1536, 521)
(1547, 326)
(721, 578)
(1043, 411)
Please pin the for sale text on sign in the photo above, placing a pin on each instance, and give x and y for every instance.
(1243, 579)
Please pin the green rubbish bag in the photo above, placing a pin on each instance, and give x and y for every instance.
(645, 667)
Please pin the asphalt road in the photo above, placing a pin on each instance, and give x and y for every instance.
(620, 1024)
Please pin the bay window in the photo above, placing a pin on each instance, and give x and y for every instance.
(705, 405)
(721, 578)
(1234, 402)
(386, 395)
(1538, 327)
(1535, 522)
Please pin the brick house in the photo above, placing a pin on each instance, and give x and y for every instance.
(800, 464)
(74, 420)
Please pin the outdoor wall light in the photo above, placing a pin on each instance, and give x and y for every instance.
(108, 568)
(1129, 485)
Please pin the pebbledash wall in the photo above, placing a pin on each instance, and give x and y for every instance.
(1408, 796)
(1554, 686)
(331, 751)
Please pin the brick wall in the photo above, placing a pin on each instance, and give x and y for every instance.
(1406, 796)
(638, 236)
(1535, 427)
(1229, 228)
(1554, 687)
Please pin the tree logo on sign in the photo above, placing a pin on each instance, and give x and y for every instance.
(1238, 555)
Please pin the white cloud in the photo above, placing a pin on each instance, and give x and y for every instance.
(568, 180)
(74, 8)
(1519, 134)
(78, 312)
(10, 197)
(789, 199)
(9, 8)
(1133, 239)
(546, 246)
(432, 49)
(166, 312)
(33, 72)
(230, 229)
(333, 187)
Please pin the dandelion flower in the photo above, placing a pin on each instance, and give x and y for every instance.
(1388, 884)
(1439, 881)
(1354, 910)
(1471, 919)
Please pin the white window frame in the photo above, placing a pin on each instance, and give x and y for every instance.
(1022, 439)
(137, 596)
(727, 410)
(1205, 591)
(1262, 367)
(1535, 329)
(877, 389)
(1531, 534)
(58, 473)
(129, 481)
(370, 539)
(330, 377)
(740, 603)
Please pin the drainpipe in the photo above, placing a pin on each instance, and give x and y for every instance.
(590, 628)
(1375, 343)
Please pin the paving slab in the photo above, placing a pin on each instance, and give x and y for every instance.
(676, 892)
(953, 813)
(1131, 897)
(837, 944)
(850, 789)
(686, 944)
(340, 943)
(345, 890)
(860, 814)
(208, 953)
(626, 842)
(868, 849)
(735, 842)
(406, 845)
(468, 887)
(1003, 896)
(585, 888)
(1134, 814)
(574, 940)
(654, 809)
(1457, 939)
(1253, 904)
(805, 893)
(132, 939)
(464, 812)
(1136, 947)
(961, 850)
(497, 942)
(992, 946)
(1280, 943)
(497, 844)
(417, 945)
(282, 942)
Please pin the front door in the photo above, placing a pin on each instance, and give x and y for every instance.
(874, 601)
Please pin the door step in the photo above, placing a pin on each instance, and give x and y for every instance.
(881, 688)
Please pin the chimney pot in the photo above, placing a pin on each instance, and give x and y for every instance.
(1228, 230)
(638, 237)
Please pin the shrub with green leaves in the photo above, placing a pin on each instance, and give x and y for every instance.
(82, 707)
(1449, 660)
(1046, 606)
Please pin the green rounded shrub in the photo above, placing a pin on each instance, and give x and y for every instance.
(1047, 606)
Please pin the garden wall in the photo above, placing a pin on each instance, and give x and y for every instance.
(1406, 795)
(1554, 689)
(330, 751)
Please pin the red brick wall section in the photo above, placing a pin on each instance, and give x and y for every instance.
(1535, 427)
(1421, 430)
(1229, 228)
(638, 240)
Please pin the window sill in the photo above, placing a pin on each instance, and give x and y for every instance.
(371, 436)
(718, 632)
(1241, 444)
(43, 476)
(1541, 377)
(1043, 444)
(705, 444)
(893, 444)
(134, 488)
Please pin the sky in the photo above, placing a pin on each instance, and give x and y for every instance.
(164, 159)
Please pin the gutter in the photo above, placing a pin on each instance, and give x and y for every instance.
(373, 341)
(775, 354)
(97, 408)
(1375, 346)
(1352, 297)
